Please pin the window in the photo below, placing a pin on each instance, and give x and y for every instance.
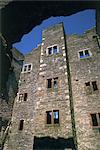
(55, 83)
(84, 53)
(49, 117)
(21, 124)
(52, 50)
(20, 97)
(91, 86)
(27, 68)
(52, 117)
(87, 83)
(52, 83)
(94, 85)
(49, 84)
(56, 116)
(55, 50)
(25, 96)
(95, 119)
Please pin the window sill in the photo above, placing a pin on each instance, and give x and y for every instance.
(96, 127)
(26, 72)
(52, 125)
(85, 57)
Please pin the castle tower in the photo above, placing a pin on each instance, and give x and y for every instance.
(84, 62)
(42, 106)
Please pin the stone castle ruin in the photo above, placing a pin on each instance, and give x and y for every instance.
(58, 101)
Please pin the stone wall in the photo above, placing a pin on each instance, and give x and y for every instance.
(86, 101)
(74, 96)
(7, 100)
(40, 98)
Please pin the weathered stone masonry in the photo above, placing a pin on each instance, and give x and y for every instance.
(51, 87)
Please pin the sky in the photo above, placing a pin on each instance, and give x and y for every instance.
(77, 23)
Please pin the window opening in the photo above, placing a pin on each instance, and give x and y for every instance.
(25, 68)
(25, 96)
(50, 50)
(56, 82)
(49, 84)
(94, 84)
(84, 53)
(52, 117)
(55, 50)
(87, 53)
(56, 116)
(49, 117)
(87, 83)
(20, 97)
(29, 67)
(95, 119)
(81, 54)
(21, 124)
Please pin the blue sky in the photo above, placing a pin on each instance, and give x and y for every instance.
(77, 23)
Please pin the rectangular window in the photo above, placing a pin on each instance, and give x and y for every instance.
(84, 53)
(25, 96)
(49, 83)
(81, 54)
(20, 97)
(91, 86)
(94, 85)
(52, 117)
(87, 53)
(56, 116)
(95, 119)
(56, 82)
(49, 117)
(21, 124)
(55, 50)
(27, 68)
(50, 50)
(52, 83)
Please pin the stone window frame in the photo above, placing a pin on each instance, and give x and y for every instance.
(97, 117)
(89, 87)
(27, 65)
(52, 50)
(52, 117)
(22, 97)
(52, 84)
(21, 125)
(83, 50)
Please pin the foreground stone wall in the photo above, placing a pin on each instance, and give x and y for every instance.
(86, 100)
(7, 100)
